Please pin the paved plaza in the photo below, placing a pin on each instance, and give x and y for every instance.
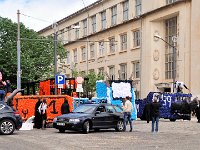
(179, 135)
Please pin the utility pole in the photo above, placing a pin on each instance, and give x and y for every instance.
(18, 52)
(55, 57)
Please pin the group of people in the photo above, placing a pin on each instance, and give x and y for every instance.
(154, 113)
(41, 112)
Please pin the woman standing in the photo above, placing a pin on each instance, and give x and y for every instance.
(42, 109)
(38, 116)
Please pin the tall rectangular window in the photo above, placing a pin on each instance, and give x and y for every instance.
(85, 27)
(114, 15)
(91, 71)
(75, 56)
(103, 20)
(136, 69)
(62, 34)
(125, 10)
(69, 33)
(123, 71)
(123, 38)
(112, 44)
(170, 1)
(101, 71)
(68, 57)
(136, 38)
(171, 30)
(92, 51)
(76, 31)
(138, 7)
(101, 48)
(94, 24)
(112, 72)
(83, 53)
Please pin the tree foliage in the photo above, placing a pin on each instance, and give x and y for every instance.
(89, 85)
(37, 53)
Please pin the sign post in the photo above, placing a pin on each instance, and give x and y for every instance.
(79, 88)
(60, 81)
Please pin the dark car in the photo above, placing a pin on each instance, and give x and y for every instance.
(9, 119)
(91, 116)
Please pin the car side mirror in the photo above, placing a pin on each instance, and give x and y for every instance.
(97, 112)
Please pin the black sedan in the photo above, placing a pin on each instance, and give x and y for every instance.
(9, 119)
(91, 116)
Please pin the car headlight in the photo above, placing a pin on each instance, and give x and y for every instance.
(74, 120)
(55, 119)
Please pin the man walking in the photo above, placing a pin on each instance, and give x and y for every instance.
(128, 108)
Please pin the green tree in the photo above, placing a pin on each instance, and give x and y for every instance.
(37, 53)
(90, 84)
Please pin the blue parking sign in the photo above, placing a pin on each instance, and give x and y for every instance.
(60, 79)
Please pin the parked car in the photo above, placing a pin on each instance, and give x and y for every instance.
(91, 116)
(10, 120)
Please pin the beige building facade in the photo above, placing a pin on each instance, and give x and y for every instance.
(117, 38)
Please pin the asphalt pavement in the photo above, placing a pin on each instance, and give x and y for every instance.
(179, 135)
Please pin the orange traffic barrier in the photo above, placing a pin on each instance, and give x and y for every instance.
(26, 105)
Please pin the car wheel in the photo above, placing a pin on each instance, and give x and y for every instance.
(86, 127)
(62, 130)
(7, 127)
(120, 126)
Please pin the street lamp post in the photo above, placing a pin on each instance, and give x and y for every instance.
(174, 39)
(55, 27)
(18, 52)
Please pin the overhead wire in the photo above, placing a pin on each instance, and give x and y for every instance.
(35, 18)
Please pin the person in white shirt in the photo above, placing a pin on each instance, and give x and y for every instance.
(128, 109)
(42, 109)
(179, 86)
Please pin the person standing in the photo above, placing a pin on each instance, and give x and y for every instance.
(155, 106)
(38, 116)
(197, 111)
(128, 109)
(2, 87)
(65, 107)
(42, 109)
(179, 86)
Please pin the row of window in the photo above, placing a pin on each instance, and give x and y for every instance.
(93, 21)
(122, 73)
(170, 31)
(102, 47)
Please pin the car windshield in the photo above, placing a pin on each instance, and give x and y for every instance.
(84, 109)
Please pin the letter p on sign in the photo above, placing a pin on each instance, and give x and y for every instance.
(60, 79)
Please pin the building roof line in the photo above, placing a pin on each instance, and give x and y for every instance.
(163, 7)
(72, 15)
(100, 1)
